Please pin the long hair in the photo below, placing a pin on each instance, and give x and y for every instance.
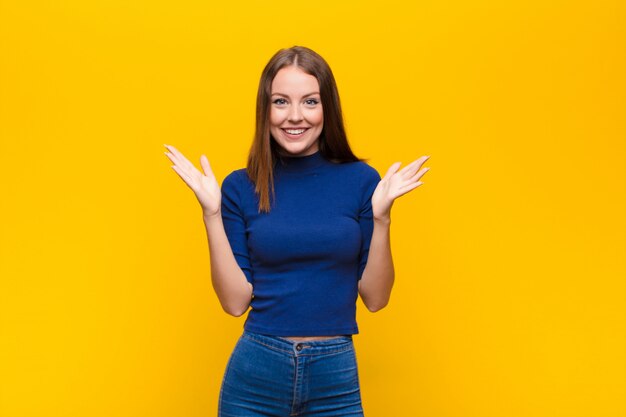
(333, 143)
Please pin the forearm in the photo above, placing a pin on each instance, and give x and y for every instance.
(229, 282)
(377, 279)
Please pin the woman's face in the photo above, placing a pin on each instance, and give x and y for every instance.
(296, 116)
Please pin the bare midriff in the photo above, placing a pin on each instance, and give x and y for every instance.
(309, 338)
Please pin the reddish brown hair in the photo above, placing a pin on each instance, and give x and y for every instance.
(333, 143)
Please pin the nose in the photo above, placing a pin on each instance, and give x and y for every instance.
(295, 114)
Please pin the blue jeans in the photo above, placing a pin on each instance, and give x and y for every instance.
(273, 376)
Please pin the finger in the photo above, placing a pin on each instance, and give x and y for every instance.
(183, 176)
(411, 168)
(392, 169)
(174, 158)
(178, 163)
(173, 150)
(171, 157)
(420, 174)
(183, 161)
(183, 164)
(406, 188)
(206, 166)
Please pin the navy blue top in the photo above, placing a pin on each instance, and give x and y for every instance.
(304, 258)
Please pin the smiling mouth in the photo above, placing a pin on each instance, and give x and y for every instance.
(294, 133)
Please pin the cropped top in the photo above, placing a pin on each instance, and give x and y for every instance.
(304, 258)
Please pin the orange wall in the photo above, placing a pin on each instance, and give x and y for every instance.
(510, 299)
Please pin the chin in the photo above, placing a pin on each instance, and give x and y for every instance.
(296, 149)
(299, 152)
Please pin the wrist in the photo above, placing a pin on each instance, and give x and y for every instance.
(382, 220)
(211, 216)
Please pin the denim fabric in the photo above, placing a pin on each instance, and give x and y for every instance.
(273, 376)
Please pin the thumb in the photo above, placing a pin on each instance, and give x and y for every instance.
(392, 170)
(206, 166)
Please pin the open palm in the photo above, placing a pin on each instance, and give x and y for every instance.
(395, 184)
(204, 186)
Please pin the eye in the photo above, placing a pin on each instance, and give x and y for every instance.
(311, 102)
(279, 101)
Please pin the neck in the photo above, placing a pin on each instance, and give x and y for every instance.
(306, 163)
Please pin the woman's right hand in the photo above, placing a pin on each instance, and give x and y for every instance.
(204, 186)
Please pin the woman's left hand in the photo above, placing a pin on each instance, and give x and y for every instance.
(395, 184)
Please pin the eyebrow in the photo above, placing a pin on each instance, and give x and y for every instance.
(285, 95)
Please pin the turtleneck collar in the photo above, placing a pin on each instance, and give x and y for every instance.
(301, 164)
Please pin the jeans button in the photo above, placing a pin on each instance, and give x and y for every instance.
(298, 347)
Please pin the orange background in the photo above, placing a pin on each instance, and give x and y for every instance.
(510, 296)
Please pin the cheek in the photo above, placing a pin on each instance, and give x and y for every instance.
(275, 117)
(317, 117)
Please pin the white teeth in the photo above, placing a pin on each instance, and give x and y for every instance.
(294, 131)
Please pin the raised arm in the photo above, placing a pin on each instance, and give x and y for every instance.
(377, 279)
(231, 285)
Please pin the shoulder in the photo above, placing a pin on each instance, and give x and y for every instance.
(361, 177)
(364, 171)
(236, 182)
(236, 178)
(237, 175)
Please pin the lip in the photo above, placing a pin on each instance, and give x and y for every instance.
(290, 136)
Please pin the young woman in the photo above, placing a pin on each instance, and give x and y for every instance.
(297, 235)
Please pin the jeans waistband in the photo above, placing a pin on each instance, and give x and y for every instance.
(309, 347)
